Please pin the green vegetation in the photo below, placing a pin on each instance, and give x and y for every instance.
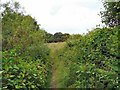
(33, 58)
(59, 72)
(18, 73)
(25, 56)
(57, 37)
(111, 15)
(95, 64)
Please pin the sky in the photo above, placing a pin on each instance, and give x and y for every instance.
(66, 16)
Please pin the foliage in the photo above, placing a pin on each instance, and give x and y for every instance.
(88, 61)
(18, 73)
(16, 27)
(111, 15)
(74, 39)
(93, 59)
(25, 55)
(18, 34)
(57, 37)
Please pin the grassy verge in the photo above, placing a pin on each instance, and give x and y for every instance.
(59, 71)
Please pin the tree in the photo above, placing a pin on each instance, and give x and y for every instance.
(111, 15)
(49, 37)
(58, 37)
(16, 27)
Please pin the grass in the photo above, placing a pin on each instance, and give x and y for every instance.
(56, 46)
(59, 71)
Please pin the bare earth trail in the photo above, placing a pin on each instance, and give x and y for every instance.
(57, 64)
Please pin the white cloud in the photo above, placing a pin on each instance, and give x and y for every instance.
(72, 16)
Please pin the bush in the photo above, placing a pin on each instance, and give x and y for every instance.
(93, 59)
(20, 74)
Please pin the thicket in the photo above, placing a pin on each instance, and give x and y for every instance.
(92, 60)
(25, 63)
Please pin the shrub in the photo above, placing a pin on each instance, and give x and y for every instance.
(93, 59)
(20, 74)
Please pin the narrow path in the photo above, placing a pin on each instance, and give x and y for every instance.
(56, 63)
(54, 83)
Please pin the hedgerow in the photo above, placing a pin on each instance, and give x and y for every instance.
(93, 59)
(19, 73)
